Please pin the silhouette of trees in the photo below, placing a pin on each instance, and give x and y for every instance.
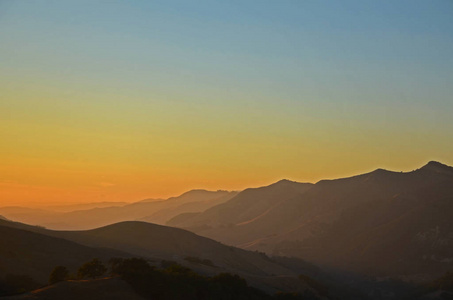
(92, 269)
(199, 261)
(443, 283)
(179, 282)
(59, 273)
(314, 284)
(167, 263)
(130, 267)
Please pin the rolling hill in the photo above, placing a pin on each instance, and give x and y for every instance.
(156, 242)
(23, 252)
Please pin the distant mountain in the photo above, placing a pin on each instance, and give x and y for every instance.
(382, 223)
(191, 202)
(84, 206)
(156, 212)
(232, 222)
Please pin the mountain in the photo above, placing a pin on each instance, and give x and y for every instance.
(163, 210)
(226, 222)
(390, 224)
(380, 223)
(192, 202)
(84, 206)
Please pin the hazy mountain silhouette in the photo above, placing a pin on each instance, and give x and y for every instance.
(192, 201)
(84, 206)
(382, 222)
(227, 220)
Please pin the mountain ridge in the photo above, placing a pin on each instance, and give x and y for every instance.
(318, 216)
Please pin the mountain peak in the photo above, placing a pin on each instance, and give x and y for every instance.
(285, 181)
(438, 167)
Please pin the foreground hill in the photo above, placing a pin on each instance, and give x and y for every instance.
(158, 243)
(33, 254)
(100, 289)
(382, 223)
(153, 210)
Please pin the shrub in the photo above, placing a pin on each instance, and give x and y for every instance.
(59, 273)
(92, 269)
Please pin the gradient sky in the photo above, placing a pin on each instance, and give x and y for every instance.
(125, 100)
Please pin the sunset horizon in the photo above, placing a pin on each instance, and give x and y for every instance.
(100, 193)
(127, 101)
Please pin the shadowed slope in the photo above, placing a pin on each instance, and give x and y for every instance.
(29, 253)
(100, 289)
(398, 224)
(151, 240)
(161, 242)
(381, 222)
(228, 222)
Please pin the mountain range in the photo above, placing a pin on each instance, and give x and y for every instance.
(380, 223)
(100, 214)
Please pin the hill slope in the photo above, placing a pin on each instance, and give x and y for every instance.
(100, 289)
(29, 253)
(204, 255)
(382, 222)
(233, 222)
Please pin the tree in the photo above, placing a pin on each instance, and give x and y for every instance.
(59, 273)
(92, 269)
(115, 263)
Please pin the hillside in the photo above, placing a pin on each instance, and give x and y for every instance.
(233, 222)
(381, 223)
(195, 204)
(158, 243)
(100, 289)
(397, 224)
(33, 254)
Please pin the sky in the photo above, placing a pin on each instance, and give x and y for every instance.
(126, 100)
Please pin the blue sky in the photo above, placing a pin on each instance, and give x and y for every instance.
(298, 89)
